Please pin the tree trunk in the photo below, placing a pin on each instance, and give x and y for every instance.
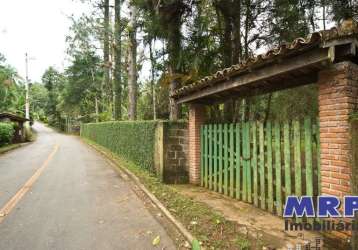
(324, 14)
(237, 32)
(96, 108)
(173, 106)
(95, 98)
(132, 64)
(106, 82)
(117, 83)
(223, 7)
(152, 71)
(247, 28)
(227, 46)
(174, 41)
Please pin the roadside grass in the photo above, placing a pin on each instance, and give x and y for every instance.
(33, 135)
(8, 147)
(209, 227)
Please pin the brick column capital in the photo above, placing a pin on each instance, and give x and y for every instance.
(347, 69)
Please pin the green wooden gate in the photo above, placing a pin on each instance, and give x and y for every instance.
(261, 163)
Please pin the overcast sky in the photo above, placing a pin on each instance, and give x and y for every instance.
(38, 27)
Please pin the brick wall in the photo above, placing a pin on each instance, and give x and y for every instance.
(338, 98)
(354, 125)
(176, 152)
(171, 151)
(196, 119)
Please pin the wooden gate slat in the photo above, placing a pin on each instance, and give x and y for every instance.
(269, 166)
(262, 166)
(287, 154)
(249, 171)
(254, 162)
(226, 159)
(278, 167)
(206, 156)
(247, 162)
(238, 162)
(231, 173)
(244, 164)
(210, 156)
(220, 158)
(215, 158)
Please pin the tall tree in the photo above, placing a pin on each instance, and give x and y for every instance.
(106, 52)
(12, 97)
(132, 64)
(117, 83)
(152, 79)
(170, 16)
(343, 9)
(54, 82)
(225, 12)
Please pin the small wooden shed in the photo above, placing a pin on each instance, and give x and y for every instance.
(19, 135)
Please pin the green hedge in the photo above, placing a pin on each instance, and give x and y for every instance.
(6, 133)
(131, 140)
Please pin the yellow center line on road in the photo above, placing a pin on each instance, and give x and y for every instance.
(10, 205)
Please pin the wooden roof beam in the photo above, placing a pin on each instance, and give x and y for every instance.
(261, 89)
(316, 57)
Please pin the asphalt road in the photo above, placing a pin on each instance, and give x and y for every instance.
(77, 200)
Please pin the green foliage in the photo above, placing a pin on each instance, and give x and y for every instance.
(295, 103)
(145, 102)
(54, 82)
(354, 117)
(290, 20)
(38, 102)
(12, 92)
(131, 140)
(343, 9)
(6, 133)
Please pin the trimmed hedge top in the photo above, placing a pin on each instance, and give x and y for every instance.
(133, 140)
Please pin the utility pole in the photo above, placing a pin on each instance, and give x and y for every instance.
(27, 100)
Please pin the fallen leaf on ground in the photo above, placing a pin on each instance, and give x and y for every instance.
(187, 245)
(156, 240)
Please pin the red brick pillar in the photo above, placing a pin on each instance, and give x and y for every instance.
(338, 98)
(196, 119)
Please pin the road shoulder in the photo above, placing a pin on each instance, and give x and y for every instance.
(208, 226)
(11, 147)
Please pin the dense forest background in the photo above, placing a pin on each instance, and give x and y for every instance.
(126, 57)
